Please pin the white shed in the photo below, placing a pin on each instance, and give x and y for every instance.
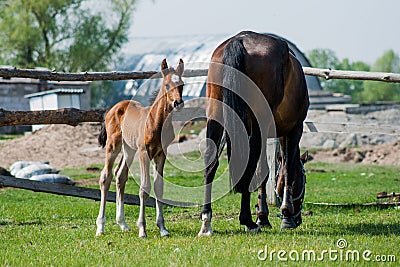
(54, 99)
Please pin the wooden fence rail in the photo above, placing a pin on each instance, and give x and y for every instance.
(82, 192)
(7, 72)
(353, 75)
(70, 116)
(90, 76)
(73, 116)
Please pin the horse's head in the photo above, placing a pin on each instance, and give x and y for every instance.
(173, 84)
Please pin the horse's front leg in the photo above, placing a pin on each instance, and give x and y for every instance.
(290, 146)
(159, 191)
(262, 207)
(144, 190)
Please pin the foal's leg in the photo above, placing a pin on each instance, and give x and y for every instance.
(144, 190)
(121, 178)
(112, 149)
(159, 191)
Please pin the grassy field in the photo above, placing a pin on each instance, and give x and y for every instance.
(38, 229)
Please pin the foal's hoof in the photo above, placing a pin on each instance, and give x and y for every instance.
(288, 223)
(164, 233)
(99, 233)
(124, 227)
(142, 233)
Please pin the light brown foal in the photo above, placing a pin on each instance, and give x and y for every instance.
(148, 131)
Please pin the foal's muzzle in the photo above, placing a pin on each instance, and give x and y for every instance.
(178, 104)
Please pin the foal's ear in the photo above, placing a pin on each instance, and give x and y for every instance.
(164, 66)
(180, 68)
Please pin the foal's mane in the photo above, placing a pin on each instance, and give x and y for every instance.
(153, 97)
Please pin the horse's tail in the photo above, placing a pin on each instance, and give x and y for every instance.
(233, 78)
(233, 60)
(102, 138)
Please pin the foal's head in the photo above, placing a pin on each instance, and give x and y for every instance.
(172, 84)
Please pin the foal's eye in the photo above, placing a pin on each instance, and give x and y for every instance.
(167, 86)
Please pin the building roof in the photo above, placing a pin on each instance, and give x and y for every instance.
(56, 91)
(148, 52)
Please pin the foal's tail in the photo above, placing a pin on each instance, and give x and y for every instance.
(233, 78)
(102, 138)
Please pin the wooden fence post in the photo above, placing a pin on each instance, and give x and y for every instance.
(272, 153)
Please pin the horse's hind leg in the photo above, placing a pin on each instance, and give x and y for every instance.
(144, 190)
(159, 191)
(245, 217)
(121, 177)
(112, 150)
(213, 142)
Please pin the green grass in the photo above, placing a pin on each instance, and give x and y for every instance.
(39, 229)
(10, 136)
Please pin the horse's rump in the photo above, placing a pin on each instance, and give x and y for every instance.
(267, 71)
(112, 118)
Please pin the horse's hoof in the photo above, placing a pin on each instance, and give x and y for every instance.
(164, 233)
(299, 221)
(288, 223)
(206, 229)
(255, 230)
(263, 222)
(205, 233)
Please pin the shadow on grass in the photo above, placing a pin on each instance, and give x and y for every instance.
(371, 229)
(14, 223)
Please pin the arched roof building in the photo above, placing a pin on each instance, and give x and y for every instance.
(147, 54)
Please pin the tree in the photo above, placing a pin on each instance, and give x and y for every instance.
(66, 35)
(326, 58)
(351, 87)
(378, 91)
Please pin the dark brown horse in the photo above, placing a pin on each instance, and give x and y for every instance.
(256, 89)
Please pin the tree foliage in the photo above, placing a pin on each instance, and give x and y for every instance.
(360, 91)
(326, 58)
(66, 35)
(379, 91)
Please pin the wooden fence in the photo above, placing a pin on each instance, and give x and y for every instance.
(7, 72)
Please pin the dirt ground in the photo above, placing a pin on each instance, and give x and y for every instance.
(63, 146)
(67, 147)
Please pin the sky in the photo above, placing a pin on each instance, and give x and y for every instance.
(354, 29)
